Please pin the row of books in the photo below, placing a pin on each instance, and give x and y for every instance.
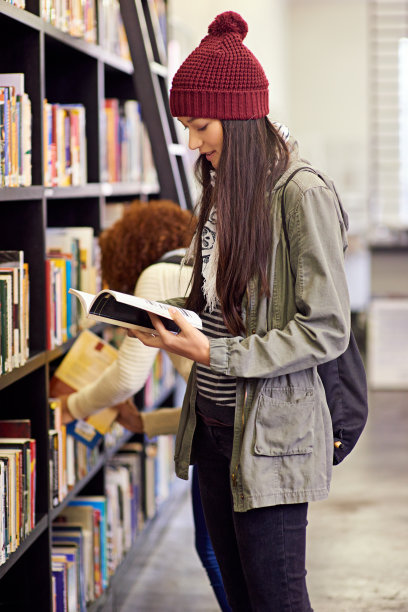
(161, 380)
(18, 3)
(92, 534)
(15, 132)
(17, 484)
(158, 473)
(111, 31)
(72, 261)
(79, 18)
(128, 155)
(14, 310)
(64, 138)
(69, 459)
(76, 17)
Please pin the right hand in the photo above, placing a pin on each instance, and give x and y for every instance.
(129, 416)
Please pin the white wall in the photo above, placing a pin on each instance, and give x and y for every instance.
(314, 53)
(189, 21)
(328, 93)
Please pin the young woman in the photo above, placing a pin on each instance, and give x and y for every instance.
(136, 256)
(255, 420)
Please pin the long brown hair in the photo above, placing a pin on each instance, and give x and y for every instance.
(253, 158)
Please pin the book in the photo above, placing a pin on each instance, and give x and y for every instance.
(83, 364)
(98, 502)
(12, 264)
(130, 311)
(73, 532)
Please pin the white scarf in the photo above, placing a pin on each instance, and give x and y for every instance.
(209, 250)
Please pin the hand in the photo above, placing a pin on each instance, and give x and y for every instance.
(189, 342)
(66, 416)
(129, 416)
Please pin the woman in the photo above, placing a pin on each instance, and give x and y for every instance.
(255, 419)
(136, 255)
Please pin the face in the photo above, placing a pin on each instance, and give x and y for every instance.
(206, 135)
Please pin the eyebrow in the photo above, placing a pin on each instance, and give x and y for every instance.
(189, 120)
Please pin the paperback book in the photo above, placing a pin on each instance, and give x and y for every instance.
(85, 361)
(130, 311)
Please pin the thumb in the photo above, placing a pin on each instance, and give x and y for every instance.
(179, 319)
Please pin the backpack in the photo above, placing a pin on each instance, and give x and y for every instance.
(344, 378)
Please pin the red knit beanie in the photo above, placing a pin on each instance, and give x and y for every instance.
(221, 78)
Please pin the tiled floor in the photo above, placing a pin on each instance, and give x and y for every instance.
(357, 539)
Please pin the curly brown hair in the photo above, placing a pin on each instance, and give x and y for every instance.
(146, 231)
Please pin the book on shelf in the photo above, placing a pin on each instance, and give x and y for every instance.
(60, 595)
(83, 364)
(77, 18)
(130, 311)
(15, 133)
(21, 428)
(17, 456)
(14, 297)
(123, 142)
(111, 31)
(71, 262)
(64, 145)
(68, 556)
(98, 502)
(87, 520)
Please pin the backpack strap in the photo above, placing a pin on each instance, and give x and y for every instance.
(283, 212)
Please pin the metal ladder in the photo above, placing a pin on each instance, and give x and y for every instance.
(149, 76)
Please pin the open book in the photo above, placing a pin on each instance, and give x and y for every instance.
(130, 311)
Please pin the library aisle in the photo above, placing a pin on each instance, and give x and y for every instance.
(357, 539)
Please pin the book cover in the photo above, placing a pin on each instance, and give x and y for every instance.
(88, 357)
(130, 311)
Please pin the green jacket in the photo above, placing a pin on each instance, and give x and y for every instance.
(283, 441)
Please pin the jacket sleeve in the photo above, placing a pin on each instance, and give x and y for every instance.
(319, 330)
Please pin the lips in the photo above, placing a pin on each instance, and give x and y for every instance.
(209, 155)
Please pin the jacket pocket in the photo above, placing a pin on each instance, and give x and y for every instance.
(284, 423)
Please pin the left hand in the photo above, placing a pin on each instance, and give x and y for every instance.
(189, 342)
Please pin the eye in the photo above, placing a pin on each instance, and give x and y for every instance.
(202, 128)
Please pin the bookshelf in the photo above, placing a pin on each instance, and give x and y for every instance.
(64, 69)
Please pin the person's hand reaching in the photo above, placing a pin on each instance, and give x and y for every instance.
(129, 416)
(66, 416)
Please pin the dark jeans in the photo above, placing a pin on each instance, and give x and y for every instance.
(204, 547)
(261, 552)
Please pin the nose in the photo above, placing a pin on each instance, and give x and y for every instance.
(194, 141)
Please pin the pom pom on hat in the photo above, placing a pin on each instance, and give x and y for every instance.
(221, 78)
(228, 22)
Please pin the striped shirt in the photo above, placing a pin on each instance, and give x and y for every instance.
(216, 392)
